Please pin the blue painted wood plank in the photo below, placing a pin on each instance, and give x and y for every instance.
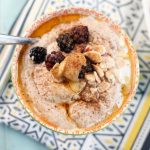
(16, 140)
(2, 137)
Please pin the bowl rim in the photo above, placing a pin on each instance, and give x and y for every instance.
(37, 23)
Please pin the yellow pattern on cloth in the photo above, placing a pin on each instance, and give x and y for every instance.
(138, 122)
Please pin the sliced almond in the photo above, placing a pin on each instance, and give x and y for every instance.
(93, 56)
(93, 90)
(100, 48)
(99, 71)
(107, 62)
(77, 87)
(110, 77)
(97, 78)
(90, 79)
(103, 65)
(104, 86)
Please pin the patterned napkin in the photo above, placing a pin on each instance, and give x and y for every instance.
(131, 129)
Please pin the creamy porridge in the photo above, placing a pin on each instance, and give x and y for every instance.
(84, 72)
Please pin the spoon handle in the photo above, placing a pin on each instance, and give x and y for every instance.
(9, 39)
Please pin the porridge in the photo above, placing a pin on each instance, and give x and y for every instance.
(75, 75)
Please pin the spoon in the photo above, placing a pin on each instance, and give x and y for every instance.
(6, 40)
(10, 39)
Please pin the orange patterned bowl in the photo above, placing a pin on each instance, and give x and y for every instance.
(42, 26)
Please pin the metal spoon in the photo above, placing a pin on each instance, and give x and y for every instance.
(9, 39)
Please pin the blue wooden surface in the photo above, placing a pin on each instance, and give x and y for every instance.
(9, 138)
(14, 140)
(9, 9)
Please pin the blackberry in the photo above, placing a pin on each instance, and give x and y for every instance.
(65, 42)
(88, 67)
(80, 34)
(81, 74)
(38, 54)
(53, 58)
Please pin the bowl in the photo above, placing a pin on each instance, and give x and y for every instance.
(42, 26)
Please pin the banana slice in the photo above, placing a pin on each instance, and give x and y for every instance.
(69, 68)
(73, 65)
(57, 72)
